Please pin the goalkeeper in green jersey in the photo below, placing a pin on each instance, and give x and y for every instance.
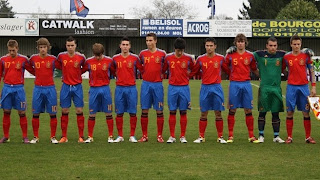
(316, 66)
(270, 94)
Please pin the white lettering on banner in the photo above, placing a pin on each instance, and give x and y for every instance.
(198, 28)
(68, 24)
(174, 22)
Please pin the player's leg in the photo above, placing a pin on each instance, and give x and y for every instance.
(77, 95)
(65, 103)
(219, 127)
(132, 101)
(291, 95)
(109, 120)
(218, 106)
(234, 98)
(276, 127)
(261, 125)
(173, 105)
(250, 125)
(204, 102)
(158, 98)
(6, 105)
(107, 108)
(38, 105)
(160, 122)
(202, 126)
(184, 102)
(119, 108)
(91, 124)
(51, 108)
(94, 106)
(21, 105)
(146, 101)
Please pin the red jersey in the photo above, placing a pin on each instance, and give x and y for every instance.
(179, 68)
(126, 69)
(152, 64)
(71, 67)
(240, 65)
(211, 68)
(99, 71)
(44, 69)
(297, 68)
(12, 69)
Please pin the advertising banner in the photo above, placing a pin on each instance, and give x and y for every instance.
(230, 28)
(162, 27)
(90, 27)
(285, 28)
(19, 27)
(194, 28)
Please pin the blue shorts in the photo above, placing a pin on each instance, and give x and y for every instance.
(179, 97)
(13, 96)
(126, 99)
(211, 97)
(151, 94)
(44, 99)
(240, 95)
(100, 99)
(297, 96)
(69, 92)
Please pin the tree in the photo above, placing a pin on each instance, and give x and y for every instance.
(262, 9)
(222, 17)
(165, 10)
(299, 10)
(6, 10)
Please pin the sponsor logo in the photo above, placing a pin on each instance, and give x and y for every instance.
(67, 24)
(198, 27)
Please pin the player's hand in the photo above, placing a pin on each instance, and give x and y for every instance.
(231, 50)
(313, 91)
(308, 51)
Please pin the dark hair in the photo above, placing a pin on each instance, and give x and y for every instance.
(12, 43)
(70, 39)
(295, 37)
(152, 35)
(239, 38)
(124, 38)
(97, 49)
(179, 43)
(211, 39)
(273, 39)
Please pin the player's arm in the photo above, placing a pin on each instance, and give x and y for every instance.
(1, 69)
(29, 68)
(139, 65)
(195, 68)
(226, 64)
(165, 65)
(58, 63)
(253, 66)
(85, 67)
(313, 91)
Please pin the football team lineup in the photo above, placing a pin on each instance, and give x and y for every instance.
(153, 63)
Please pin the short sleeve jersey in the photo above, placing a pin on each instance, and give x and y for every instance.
(240, 65)
(297, 68)
(152, 64)
(71, 67)
(99, 71)
(211, 68)
(44, 69)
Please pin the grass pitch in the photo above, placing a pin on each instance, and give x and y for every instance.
(152, 160)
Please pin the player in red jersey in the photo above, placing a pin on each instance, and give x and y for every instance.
(12, 68)
(298, 63)
(100, 100)
(44, 97)
(179, 65)
(151, 88)
(211, 93)
(240, 90)
(71, 63)
(126, 95)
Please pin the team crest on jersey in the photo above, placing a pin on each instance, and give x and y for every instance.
(157, 60)
(18, 65)
(183, 64)
(278, 62)
(76, 63)
(301, 62)
(48, 64)
(104, 66)
(246, 61)
(129, 64)
(216, 64)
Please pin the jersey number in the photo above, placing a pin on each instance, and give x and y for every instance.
(172, 64)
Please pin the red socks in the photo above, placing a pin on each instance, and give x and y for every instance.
(64, 124)
(231, 122)
(133, 124)
(202, 126)
(119, 123)
(249, 122)
(219, 126)
(24, 125)
(91, 123)
(172, 124)
(6, 124)
(289, 123)
(35, 126)
(109, 121)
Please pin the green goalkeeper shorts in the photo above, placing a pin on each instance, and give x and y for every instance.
(270, 99)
